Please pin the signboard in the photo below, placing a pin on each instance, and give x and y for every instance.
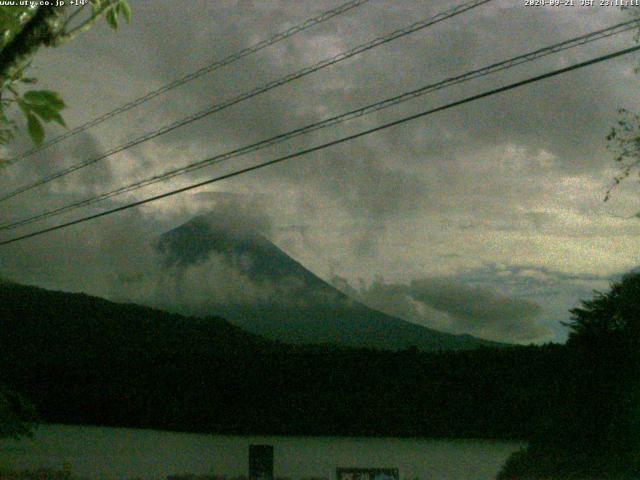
(368, 474)
(260, 462)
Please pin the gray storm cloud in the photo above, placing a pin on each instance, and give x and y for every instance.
(478, 309)
(452, 305)
(238, 211)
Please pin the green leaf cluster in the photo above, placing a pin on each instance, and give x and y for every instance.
(40, 106)
(112, 11)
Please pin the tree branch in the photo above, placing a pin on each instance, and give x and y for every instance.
(72, 16)
(84, 26)
(37, 31)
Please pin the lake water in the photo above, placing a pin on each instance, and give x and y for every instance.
(111, 453)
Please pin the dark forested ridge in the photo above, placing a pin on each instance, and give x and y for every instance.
(85, 360)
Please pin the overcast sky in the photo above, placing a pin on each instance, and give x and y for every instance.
(486, 219)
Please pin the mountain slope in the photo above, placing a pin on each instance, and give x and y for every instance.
(300, 307)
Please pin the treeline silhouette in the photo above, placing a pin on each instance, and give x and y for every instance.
(84, 360)
(593, 432)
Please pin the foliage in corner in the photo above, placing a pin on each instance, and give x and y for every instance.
(624, 137)
(595, 432)
(37, 106)
(624, 141)
(23, 30)
(17, 415)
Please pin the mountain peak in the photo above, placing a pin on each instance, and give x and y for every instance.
(301, 308)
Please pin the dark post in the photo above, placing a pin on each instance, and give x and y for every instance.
(260, 462)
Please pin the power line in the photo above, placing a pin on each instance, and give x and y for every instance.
(253, 93)
(328, 144)
(371, 108)
(193, 75)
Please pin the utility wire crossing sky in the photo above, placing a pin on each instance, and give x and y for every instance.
(323, 17)
(377, 42)
(329, 144)
(490, 69)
